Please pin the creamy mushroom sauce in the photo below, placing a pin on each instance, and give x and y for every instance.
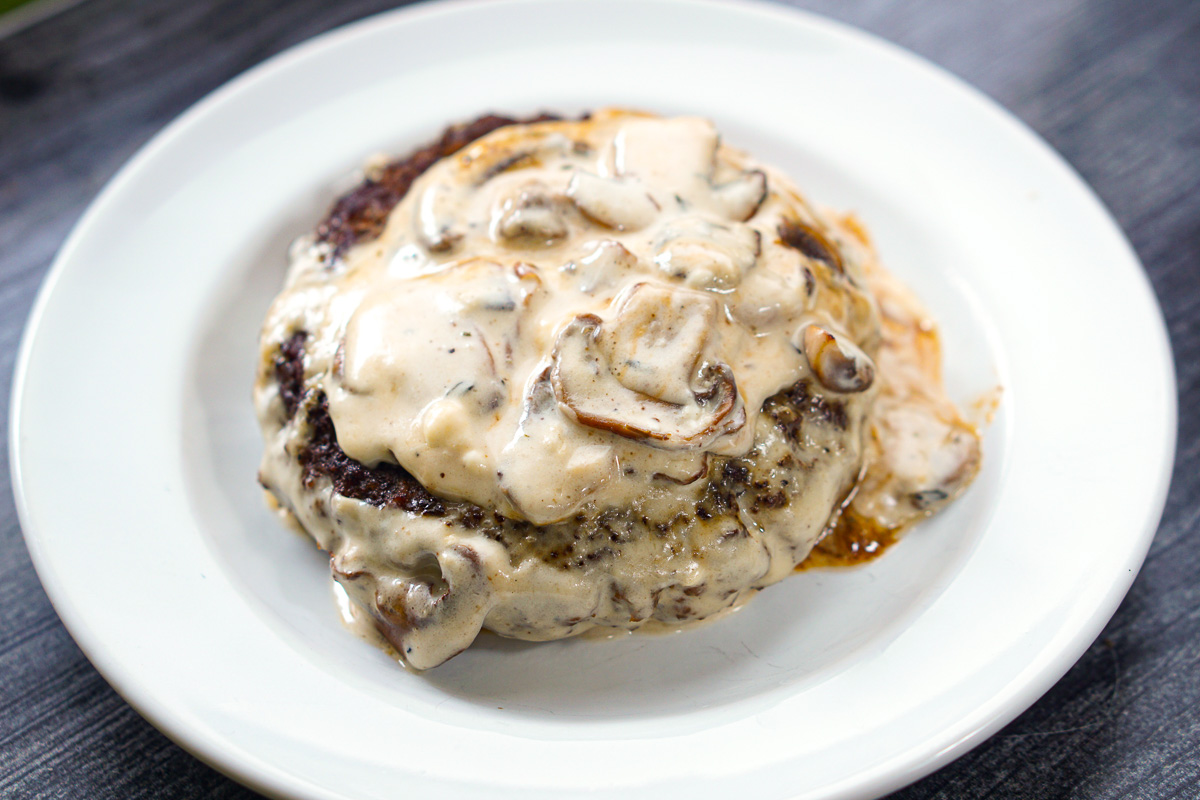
(612, 264)
(568, 322)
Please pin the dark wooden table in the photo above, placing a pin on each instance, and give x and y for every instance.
(1114, 85)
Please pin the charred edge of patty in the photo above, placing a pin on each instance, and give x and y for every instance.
(289, 371)
(361, 215)
(383, 485)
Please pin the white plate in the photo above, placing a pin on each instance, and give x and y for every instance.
(134, 446)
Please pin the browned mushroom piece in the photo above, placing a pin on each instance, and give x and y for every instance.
(607, 264)
(435, 219)
(838, 363)
(741, 197)
(504, 153)
(434, 587)
(547, 496)
(532, 218)
(619, 203)
(707, 254)
(645, 375)
(924, 457)
(499, 162)
(811, 242)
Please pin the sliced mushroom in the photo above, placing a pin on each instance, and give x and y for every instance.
(518, 160)
(531, 224)
(839, 364)
(741, 197)
(612, 202)
(810, 242)
(505, 151)
(600, 375)
(657, 338)
(543, 495)
(437, 609)
(608, 263)
(531, 218)
(707, 255)
(928, 457)
(436, 219)
(667, 152)
(489, 292)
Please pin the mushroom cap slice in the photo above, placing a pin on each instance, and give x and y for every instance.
(613, 202)
(530, 218)
(608, 263)
(812, 243)
(741, 197)
(436, 222)
(708, 255)
(541, 495)
(590, 391)
(839, 364)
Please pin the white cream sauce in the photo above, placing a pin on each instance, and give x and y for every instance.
(552, 319)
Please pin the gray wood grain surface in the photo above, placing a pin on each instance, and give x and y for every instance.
(1114, 85)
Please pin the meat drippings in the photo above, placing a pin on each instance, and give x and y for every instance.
(851, 540)
(920, 453)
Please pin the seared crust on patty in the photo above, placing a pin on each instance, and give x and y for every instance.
(360, 214)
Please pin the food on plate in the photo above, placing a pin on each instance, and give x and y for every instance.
(547, 375)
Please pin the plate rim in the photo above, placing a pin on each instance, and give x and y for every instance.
(238, 762)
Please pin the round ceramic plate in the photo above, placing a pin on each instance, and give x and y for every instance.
(135, 448)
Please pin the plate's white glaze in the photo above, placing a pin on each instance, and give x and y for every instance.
(134, 446)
